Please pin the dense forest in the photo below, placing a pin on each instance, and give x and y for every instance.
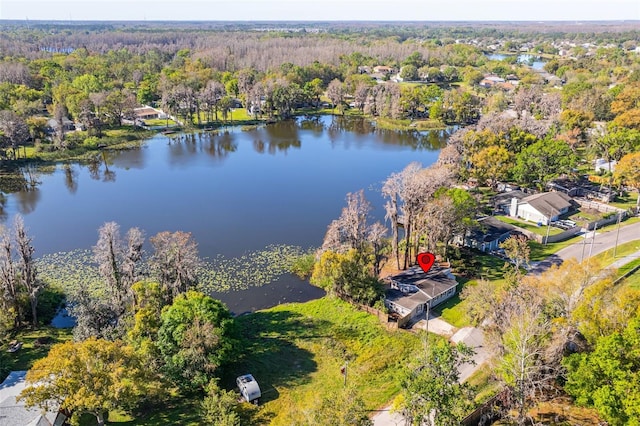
(532, 103)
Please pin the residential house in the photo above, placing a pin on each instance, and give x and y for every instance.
(502, 201)
(67, 125)
(488, 236)
(149, 113)
(541, 208)
(582, 187)
(14, 412)
(410, 292)
(383, 69)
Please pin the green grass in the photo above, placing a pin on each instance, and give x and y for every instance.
(179, 411)
(160, 122)
(540, 230)
(484, 385)
(486, 267)
(295, 351)
(540, 252)
(633, 281)
(629, 200)
(629, 267)
(30, 352)
(606, 257)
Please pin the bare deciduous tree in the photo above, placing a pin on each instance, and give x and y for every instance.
(350, 230)
(117, 261)
(175, 261)
(8, 279)
(26, 267)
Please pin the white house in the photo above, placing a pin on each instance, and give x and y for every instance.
(541, 208)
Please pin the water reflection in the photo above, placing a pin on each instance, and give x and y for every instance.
(22, 181)
(99, 167)
(70, 178)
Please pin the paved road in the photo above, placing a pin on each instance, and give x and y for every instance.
(590, 246)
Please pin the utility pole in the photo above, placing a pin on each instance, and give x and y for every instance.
(343, 370)
(593, 238)
(615, 248)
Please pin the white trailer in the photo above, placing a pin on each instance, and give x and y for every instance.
(249, 388)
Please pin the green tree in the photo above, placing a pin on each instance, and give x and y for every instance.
(543, 161)
(219, 407)
(195, 338)
(628, 172)
(92, 376)
(348, 276)
(491, 164)
(342, 408)
(608, 378)
(432, 394)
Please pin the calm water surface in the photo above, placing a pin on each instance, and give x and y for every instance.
(235, 191)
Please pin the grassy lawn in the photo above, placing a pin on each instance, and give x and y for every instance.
(295, 351)
(31, 350)
(633, 281)
(484, 384)
(180, 411)
(487, 267)
(606, 257)
(160, 122)
(540, 230)
(627, 201)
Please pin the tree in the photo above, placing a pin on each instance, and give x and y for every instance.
(26, 267)
(491, 164)
(8, 279)
(432, 393)
(219, 407)
(335, 93)
(608, 378)
(350, 230)
(14, 131)
(516, 247)
(343, 407)
(520, 335)
(175, 261)
(348, 276)
(628, 172)
(543, 161)
(117, 261)
(195, 338)
(92, 376)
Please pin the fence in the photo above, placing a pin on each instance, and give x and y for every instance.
(384, 317)
(601, 207)
(552, 238)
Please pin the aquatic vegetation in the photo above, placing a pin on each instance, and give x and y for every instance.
(76, 269)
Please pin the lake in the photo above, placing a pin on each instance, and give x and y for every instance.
(237, 191)
(535, 62)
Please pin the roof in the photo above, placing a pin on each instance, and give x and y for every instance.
(493, 228)
(13, 412)
(409, 301)
(506, 197)
(432, 283)
(549, 203)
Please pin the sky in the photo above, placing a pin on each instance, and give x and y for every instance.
(321, 10)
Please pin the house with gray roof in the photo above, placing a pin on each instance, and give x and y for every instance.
(410, 292)
(489, 234)
(542, 208)
(15, 413)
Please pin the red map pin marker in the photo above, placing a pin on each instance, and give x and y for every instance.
(426, 260)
